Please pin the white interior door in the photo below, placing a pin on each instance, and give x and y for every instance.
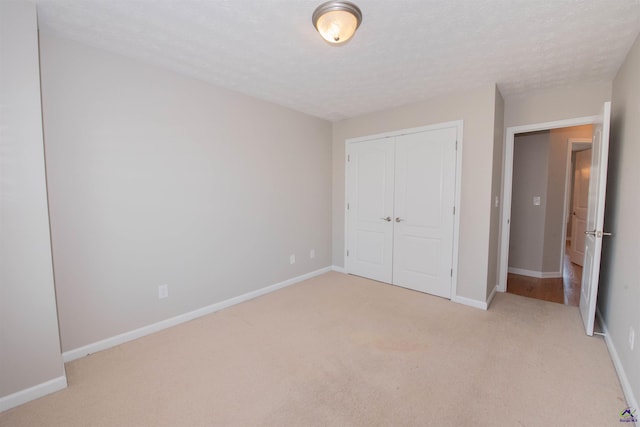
(580, 205)
(595, 218)
(370, 209)
(424, 201)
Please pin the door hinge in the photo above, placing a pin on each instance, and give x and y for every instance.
(347, 252)
(454, 210)
(451, 273)
(348, 157)
(347, 206)
(456, 144)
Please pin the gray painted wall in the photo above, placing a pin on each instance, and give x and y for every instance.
(29, 343)
(619, 296)
(530, 175)
(156, 178)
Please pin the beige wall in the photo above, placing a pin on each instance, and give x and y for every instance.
(29, 341)
(156, 178)
(477, 110)
(619, 294)
(556, 104)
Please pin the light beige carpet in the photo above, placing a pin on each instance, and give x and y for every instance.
(342, 350)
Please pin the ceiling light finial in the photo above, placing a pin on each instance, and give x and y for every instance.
(337, 21)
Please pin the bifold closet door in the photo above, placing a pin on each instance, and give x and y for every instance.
(370, 209)
(424, 199)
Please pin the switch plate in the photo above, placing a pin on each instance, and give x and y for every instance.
(312, 253)
(292, 259)
(163, 291)
(632, 337)
(497, 201)
(536, 200)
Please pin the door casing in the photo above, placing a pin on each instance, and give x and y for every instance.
(507, 183)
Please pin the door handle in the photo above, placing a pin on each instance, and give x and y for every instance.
(597, 233)
(398, 219)
(388, 219)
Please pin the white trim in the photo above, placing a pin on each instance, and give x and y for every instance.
(459, 125)
(622, 375)
(339, 269)
(104, 344)
(568, 179)
(507, 182)
(458, 204)
(536, 274)
(443, 125)
(33, 393)
(345, 259)
(482, 305)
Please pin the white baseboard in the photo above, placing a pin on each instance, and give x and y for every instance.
(339, 269)
(460, 300)
(536, 274)
(32, 393)
(470, 302)
(622, 375)
(104, 344)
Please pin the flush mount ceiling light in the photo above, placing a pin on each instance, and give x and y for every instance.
(337, 21)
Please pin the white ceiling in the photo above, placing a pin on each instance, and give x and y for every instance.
(405, 50)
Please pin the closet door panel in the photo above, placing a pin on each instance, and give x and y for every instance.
(371, 186)
(423, 221)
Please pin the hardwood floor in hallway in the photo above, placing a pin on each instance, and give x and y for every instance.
(565, 290)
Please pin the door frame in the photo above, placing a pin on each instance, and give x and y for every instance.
(458, 124)
(507, 184)
(567, 186)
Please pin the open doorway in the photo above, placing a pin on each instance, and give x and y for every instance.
(595, 213)
(547, 210)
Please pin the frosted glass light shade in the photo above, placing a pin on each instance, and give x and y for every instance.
(337, 21)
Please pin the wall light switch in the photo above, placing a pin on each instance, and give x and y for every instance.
(163, 291)
(536, 200)
(497, 201)
(292, 259)
(312, 253)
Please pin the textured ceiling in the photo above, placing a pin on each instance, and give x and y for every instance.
(405, 50)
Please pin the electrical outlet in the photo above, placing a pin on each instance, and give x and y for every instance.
(632, 337)
(163, 291)
(292, 259)
(312, 253)
(536, 201)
